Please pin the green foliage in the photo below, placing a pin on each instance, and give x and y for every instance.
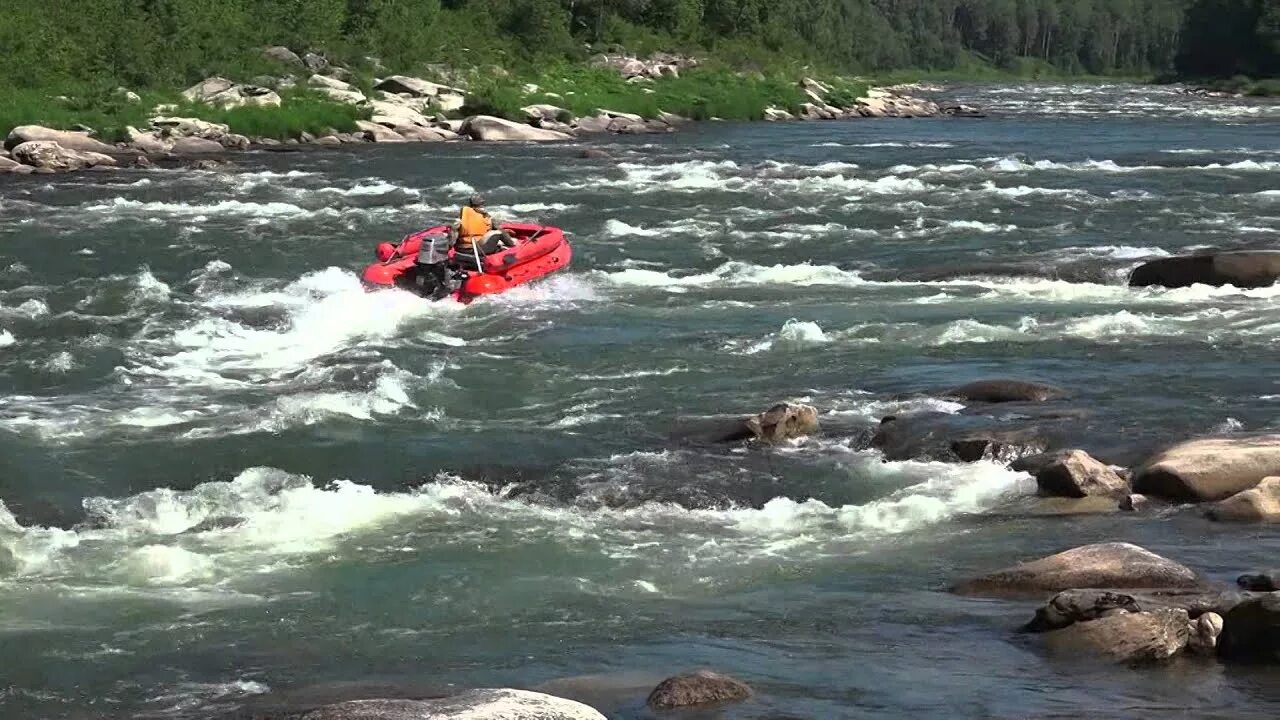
(68, 106)
(301, 111)
(1231, 37)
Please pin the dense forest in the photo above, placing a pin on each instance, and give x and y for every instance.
(169, 42)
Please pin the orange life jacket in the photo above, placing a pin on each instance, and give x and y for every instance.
(472, 225)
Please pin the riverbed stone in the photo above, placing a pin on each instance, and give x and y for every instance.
(196, 146)
(68, 139)
(1105, 565)
(485, 704)
(1243, 269)
(1257, 504)
(47, 156)
(491, 129)
(378, 133)
(1126, 637)
(1251, 630)
(1205, 631)
(1075, 474)
(701, 687)
(1209, 469)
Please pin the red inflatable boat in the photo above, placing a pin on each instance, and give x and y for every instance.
(425, 263)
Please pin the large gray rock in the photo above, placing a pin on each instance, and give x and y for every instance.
(1251, 630)
(148, 142)
(417, 87)
(337, 89)
(1245, 269)
(68, 139)
(179, 127)
(1257, 504)
(1126, 637)
(378, 133)
(315, 62)
(49, 156)
(1003, 391)
(702, 687)
(1209, 469)
(415, 133)
(487, 128)
(195, 146)
(1076, 474)
(224, 93)
(1105, 565)
(1072, 606)
(284, 55)
(1205, 631)
(1268, 581)
(544, 112)
(472, 705)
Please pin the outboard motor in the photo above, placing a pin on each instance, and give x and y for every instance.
(433, 277)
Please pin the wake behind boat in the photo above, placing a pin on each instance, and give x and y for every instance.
(428, 264)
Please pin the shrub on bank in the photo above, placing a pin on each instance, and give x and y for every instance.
(106, 111)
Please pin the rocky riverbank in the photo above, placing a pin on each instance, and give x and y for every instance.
(401, 108)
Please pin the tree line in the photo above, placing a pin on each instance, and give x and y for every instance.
(155, 42)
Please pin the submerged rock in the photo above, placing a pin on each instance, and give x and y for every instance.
(783, 421)
(1081, 605)
(1243, 269)
(1105, 565)
(702, 687)
(1251, 630)
(1126, 637)
(1209, 469)
(963, 437)
(1262, 582)
(1257, 504)
(501, 704)
(1003, 391)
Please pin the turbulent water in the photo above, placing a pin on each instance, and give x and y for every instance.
(228, 473)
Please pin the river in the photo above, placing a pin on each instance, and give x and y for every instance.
(228, 473)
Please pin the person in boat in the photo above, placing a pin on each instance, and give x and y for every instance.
(477, 228)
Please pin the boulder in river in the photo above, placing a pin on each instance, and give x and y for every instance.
(1257, 504)
(487, 128)
(49, 156)
(959, 437)
(1104, 565)
(378, 133)
(1004, 391)
(147, 142)
(1262, 582)
(1082, 605)
(783, 421)
(68, 139)
(1205, 631)
(1251, 630)
(1209, 469)
(1126, 637)
(485, 704)
(1243, 269)
(701, 687)
(7, 164)
(196, 146)
(1073, 473)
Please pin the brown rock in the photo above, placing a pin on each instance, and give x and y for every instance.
(1105, 565)
(1074, 473)
(1127, 637)
(378, 133)
(1209, 469)
(196, 146)
(702, 687)
(7, 165)
(1257, 504)
(1251, 630)
(783, 421)
(1205, 631)
(47, 156)
(68, 139)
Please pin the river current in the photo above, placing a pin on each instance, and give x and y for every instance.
(230, 477)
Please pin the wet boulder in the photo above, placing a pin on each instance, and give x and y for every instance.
(8, 165)
(1209, 469)
(147, 142)
(51, 157)
(1251, 630)
(1243, 269)
(196, 146)
(1126, 637)
(964, 437)
(1082, 605)
(1105, 565)
(378, 133)
(1205, 631)
(501, 704)
(1073, 474)
(1261, 582)
(69, 139)
(492, 129)
(701, 687)
(784, 421)
(1257, 504)
(1004, 391)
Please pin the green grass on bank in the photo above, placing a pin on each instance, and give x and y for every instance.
(698, 94)
(108, 113)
